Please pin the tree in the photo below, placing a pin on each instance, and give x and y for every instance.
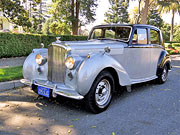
(144, 7)
(35, 10)
(15, 13)
(69, 12)
(46, 26)
(154, 17)
(172, 6)
(118, 12)
(166, 31)
(30, 19)
(133, 15)
(177, 33)
(145, 12)
(59, 28)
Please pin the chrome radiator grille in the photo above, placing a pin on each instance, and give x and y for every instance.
(56, 63)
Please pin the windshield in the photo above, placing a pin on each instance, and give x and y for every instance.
(113, 33)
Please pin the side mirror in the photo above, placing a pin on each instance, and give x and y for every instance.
(107, 49)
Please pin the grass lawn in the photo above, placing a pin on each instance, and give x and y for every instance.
(11, 73)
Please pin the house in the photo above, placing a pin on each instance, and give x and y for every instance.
(6, 26)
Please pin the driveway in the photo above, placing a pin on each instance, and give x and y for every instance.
(150, 109)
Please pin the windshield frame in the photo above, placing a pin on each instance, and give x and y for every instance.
(99, 27)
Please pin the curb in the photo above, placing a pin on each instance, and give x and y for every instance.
(11, 85)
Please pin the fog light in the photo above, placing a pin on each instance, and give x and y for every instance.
(39, 70)
(70, 75)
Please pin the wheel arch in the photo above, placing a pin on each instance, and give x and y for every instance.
(114, 73)
(164, 59)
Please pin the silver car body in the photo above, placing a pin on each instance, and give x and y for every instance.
(131, 64)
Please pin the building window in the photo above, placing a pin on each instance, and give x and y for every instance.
(1, 24)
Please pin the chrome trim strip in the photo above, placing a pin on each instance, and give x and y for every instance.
(26, 82)
(63, 45)
(134, 81)
(144, 46)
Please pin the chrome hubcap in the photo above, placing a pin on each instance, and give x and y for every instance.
(164, 74)
(103, 92)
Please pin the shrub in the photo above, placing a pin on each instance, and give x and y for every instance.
(170, 46)
(171, 52)
(176, 44)
(16, 45)
(173, 48)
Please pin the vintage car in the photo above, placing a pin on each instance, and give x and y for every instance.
(114, 55)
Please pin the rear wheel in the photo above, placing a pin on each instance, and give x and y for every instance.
(163, 76)
(100, 95)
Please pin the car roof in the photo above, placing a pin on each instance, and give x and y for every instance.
(131, 25)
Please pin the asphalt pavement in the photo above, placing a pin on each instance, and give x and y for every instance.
(150, 109)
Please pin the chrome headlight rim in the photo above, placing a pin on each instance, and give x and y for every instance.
(40, 60)
(70, 62)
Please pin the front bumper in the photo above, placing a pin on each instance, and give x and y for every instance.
(57, 88)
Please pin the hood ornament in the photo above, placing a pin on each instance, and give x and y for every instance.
(58, 39)
(42, 45)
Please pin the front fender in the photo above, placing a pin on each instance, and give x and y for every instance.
(91, 67)
(30, 66)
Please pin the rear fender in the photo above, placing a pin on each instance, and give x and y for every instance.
(164, 58)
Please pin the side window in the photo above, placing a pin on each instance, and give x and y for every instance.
(110, 33)
(154, 37)
(140, 36)
(135, 39)
(97, 33)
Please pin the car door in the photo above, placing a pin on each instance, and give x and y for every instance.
(138, 56)
(155, 42)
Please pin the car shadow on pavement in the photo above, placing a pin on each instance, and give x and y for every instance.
(24, 112)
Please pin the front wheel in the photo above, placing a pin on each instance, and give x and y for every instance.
(100, 95)
(163, 76)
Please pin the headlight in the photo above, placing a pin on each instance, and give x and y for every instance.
(70, 62)
(39, 59)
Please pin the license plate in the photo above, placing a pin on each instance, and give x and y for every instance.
(44, 91)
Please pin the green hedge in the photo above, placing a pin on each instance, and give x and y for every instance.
(172, 42)
(16, 45)
(176, 44)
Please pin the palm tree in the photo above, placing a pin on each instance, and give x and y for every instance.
(143, 8)
(145, 12)
(172, 6)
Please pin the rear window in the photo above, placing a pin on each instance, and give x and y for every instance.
(154, 37)
(140, 36)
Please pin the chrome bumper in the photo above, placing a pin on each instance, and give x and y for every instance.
(57, 88)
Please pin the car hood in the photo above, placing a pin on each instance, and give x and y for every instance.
(91, 45)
